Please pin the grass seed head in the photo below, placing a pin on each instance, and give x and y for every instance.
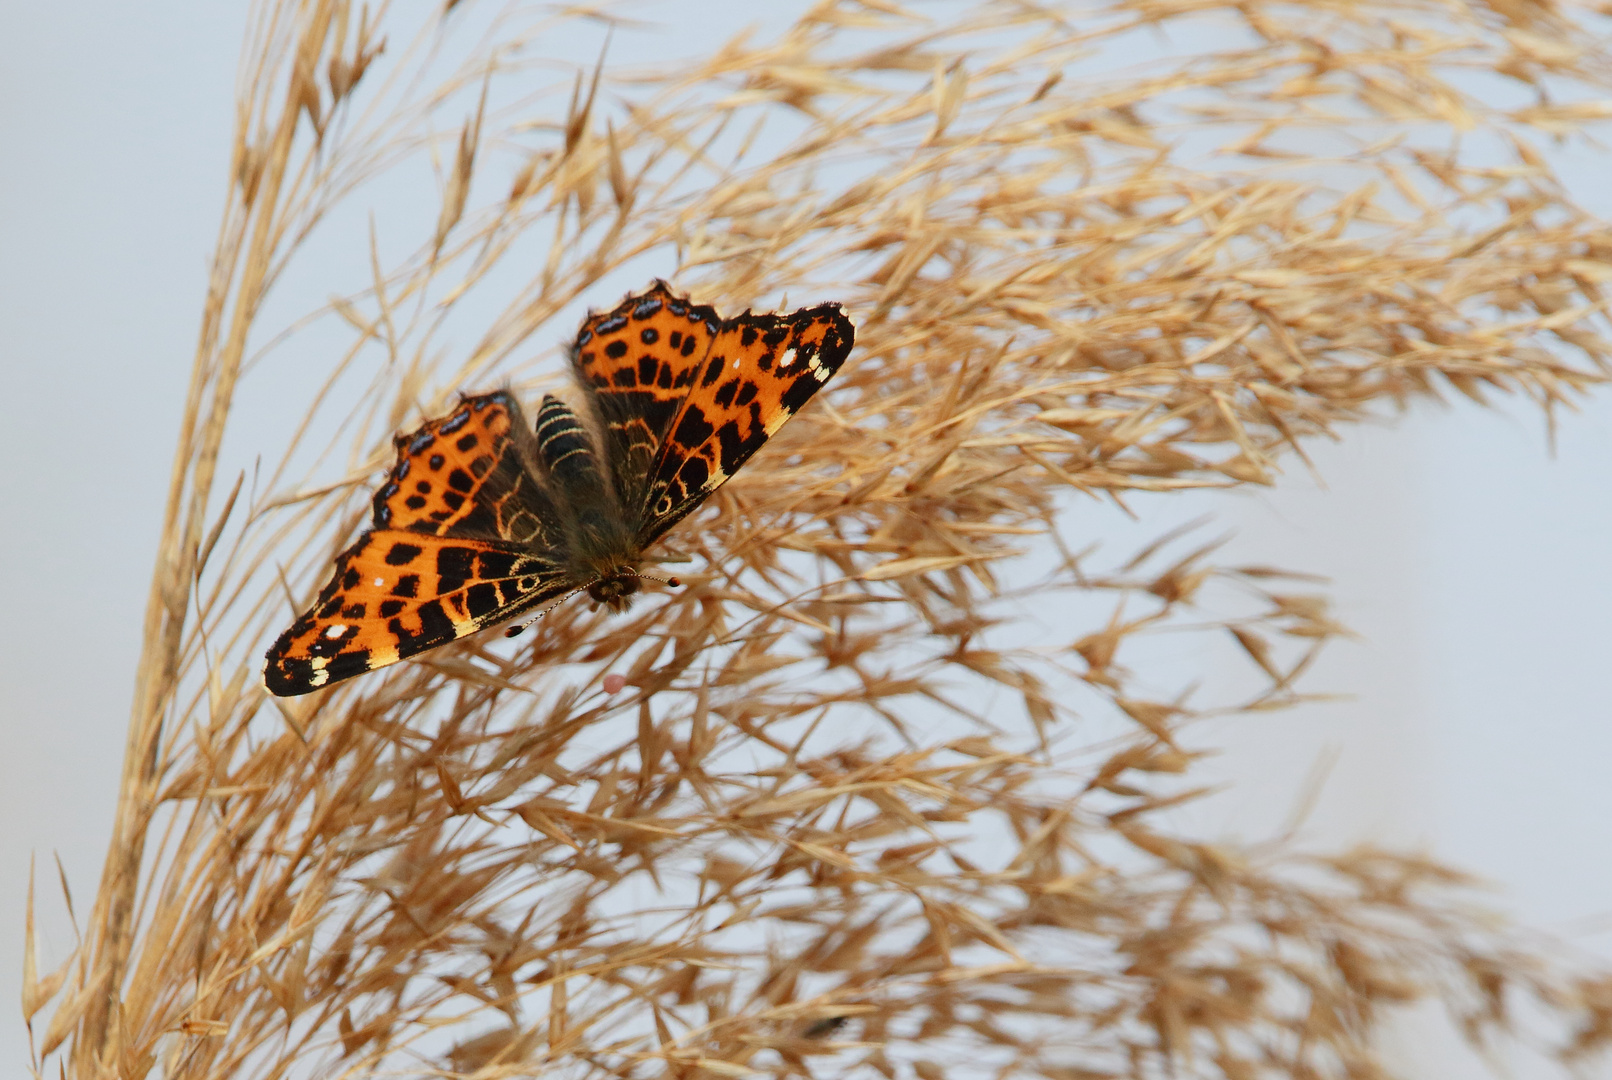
(837, 801)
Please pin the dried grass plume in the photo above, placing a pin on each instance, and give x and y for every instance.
(857, 803)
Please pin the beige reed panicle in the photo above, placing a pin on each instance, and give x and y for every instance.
(885, 788)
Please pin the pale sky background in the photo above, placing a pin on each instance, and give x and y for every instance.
(1472, 562)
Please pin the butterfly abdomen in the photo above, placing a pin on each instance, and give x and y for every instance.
(573, 469)
(564, 444)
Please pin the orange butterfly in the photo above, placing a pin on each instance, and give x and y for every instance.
(484, 518)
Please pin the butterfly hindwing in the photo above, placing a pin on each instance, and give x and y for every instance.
(638, 363)
(395, 594)
(758, 371)
(468, 474)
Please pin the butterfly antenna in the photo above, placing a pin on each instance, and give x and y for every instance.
(673, 582)
(515, 630)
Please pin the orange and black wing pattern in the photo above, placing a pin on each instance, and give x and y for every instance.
(483, 517)
(757, 373)
(462, 537)
(395, 594)
(470, 474)
(638, 363)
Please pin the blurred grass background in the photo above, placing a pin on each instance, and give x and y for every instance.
(1467, 559)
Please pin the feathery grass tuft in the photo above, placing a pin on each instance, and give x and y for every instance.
(857, 801)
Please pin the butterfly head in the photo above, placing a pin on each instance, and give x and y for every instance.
(613, 590)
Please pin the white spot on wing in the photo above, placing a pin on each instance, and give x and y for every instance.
(791, 354)
(380, 581)
(336, 630)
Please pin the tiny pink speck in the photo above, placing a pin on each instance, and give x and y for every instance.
(613, 683)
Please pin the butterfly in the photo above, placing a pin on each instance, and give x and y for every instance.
(486, 516)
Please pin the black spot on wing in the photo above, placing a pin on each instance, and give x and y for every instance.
(495, 564)
(402, 554)
(346, 665)
(482, 599)
(693, 429)
(455, 566)
(799, 393)
(435, 628)
(736, 445)
(694, 474)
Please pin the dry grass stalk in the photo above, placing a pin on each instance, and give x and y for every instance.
(841, 814)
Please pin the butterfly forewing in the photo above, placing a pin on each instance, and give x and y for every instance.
(398, 593)
(758, 372)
